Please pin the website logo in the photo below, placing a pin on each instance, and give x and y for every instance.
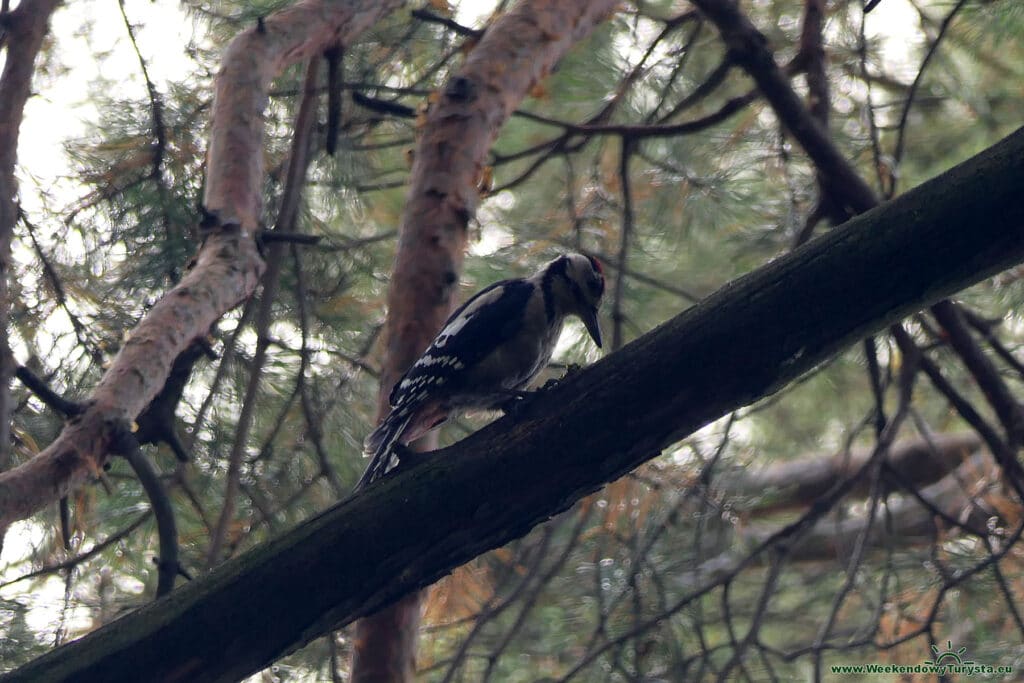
(949, 657)
(946, 662)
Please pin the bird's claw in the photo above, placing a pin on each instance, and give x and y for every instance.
(405, 457)
(520, 399)
(570, 370)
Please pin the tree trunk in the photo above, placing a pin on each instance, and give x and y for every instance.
(24, 28)
(742, 343)
(518, 50)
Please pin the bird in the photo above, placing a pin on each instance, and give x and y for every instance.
(486, 353)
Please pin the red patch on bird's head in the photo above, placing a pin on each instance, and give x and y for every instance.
(597, 287)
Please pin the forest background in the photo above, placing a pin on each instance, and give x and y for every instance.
(859, 502)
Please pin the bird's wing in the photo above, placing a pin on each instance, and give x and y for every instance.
(476, 328)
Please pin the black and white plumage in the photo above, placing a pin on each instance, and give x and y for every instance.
(487, 352)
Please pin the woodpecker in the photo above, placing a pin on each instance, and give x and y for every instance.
(487, 352)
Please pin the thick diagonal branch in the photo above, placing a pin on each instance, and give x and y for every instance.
(742, 343)
(847, 193)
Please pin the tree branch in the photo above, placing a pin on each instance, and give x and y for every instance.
(23, 30)
(127, 445)
(984, 371)
(228, 266)
(404, 532)
(517, 52)
(44, 393)
(295, 181)
(844, 192)
(799, 482)
(748, 47)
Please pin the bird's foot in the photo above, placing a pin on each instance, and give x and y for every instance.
(405, 457)
(517, 402)
(570, 370)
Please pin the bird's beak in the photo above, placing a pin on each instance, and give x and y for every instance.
(593, 326)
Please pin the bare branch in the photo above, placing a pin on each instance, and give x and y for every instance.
(298, 164)
(228, 266)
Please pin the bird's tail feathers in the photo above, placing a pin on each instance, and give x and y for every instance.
(378, 445)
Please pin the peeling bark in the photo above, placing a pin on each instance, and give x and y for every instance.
(515, 54)
(254, 58)
(228, 266)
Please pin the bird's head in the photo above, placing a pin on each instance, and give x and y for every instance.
(581, 283)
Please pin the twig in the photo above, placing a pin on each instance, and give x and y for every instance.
(66, 408)
(876, 145)
(380, 106)
(160, 149)
(125, 444)
(528, 601)
(491, 611)
(625, 152)
(48, 396)
(983, 371)
(875, 377)
(984, 328)
(1002, 452)
(273, 236)
(639, 131)
(901, 127)
(313, 422)
(98, 548)
(157, 422)
(286, 221)
(81, 330)
(226, 359)
(749, 48)
(429, 17)
(335, 65)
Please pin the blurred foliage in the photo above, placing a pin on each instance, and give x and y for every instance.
(610, 590)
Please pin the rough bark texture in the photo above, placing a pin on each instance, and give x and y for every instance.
(385, 645)
(25, 27)
(228, 266)
(518, 50)
(293, 34)
(742, 343)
